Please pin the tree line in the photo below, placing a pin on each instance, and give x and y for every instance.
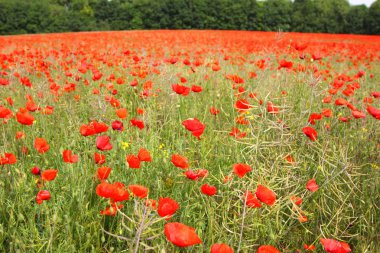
(328, 16)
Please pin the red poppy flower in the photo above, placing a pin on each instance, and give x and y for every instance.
(358, 114)
(208, 189)
(20, 135)
(133, 161)
(137, 123)
(251, 200)
(68, 156)
(327, 113)
(333, 246)
(296, 200)
(265, 195)
(221, 248)
(181, 235)
(285, 64)
(115, 191)
(312, 185)
(144, 155)
(214, 111)
(24, 117)
(190, 174)
(267, 249)
(194, 126)
(8, 158)
(310, 132)
(341, 101)
(314, 116)
(103, 143)
(181, 89)
(41, 145)
(139, 190)
(235, 132)
(122, 113)
(272, 108)
(42, 195)
(180, 161)
(5, 112)
(93, 128)
(49, 175)
(99, 158)
(309, 247)
(117, 125)
(242, 105)
(374, 112)
(167, 207)
(241, 169)
(103, 172)
(35, 171)
(111, 210)
(196, 88)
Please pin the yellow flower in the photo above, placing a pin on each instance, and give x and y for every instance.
(124, 145)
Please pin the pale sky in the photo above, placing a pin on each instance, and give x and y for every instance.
(357, 2)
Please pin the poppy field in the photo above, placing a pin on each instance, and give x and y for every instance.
(189, 141)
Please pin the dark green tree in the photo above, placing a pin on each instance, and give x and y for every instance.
(373, 19)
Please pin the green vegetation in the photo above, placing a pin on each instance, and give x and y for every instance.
(328, 16)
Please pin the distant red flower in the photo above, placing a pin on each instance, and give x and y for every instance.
(310, 132)
(167, 207)
(24, 117)
(41, 145)
(214, 111)
(181, 235)
(333, 246)
(137, 123)
(221, 248)
(117, 125)
(251, 200)
(103, 172)
(194, 126)
(180, 161)
(111, 210)
(327, 113)
(267, 249)
(272, 108)
(208, 189)
(314, 116)
(196, 88)
(121, 113)
(312, 185)
(181, 89)
(374, 112)
(309, 247)
(235, 132)
(99, 158)
(93, 128)
(115, 191)
(5, 112)
(103, 143)
(133, 161)
(241, 169)
(341, 101)
(8, 158)
(265, 195)
(242, 105)
(285, 64)
(42, 196)
(68, 156)
(139, 190)
(49, 175)
(144, 155)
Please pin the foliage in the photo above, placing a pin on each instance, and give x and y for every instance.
(328, 16)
